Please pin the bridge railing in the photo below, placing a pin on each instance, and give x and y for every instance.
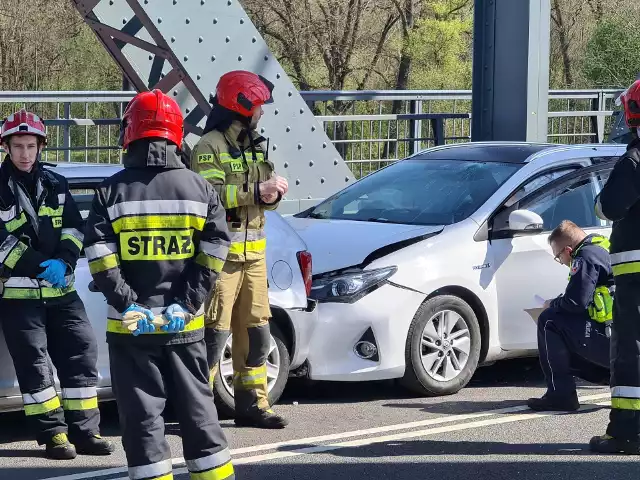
(370, 129)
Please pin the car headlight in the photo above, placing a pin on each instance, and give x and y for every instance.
(350, 287)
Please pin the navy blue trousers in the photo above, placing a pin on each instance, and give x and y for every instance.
(571, 346)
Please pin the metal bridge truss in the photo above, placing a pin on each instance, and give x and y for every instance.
(182, 47)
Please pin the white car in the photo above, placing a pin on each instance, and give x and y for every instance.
(289, 276)
(424, 269)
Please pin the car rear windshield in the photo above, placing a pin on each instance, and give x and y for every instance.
(418, 192)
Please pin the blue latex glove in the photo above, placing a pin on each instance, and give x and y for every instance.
(176, 323)
(145, 325)
(54, 273)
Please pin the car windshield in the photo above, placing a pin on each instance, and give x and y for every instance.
(418, 192)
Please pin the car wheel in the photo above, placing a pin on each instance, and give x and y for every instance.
(443, 347)
(278, 364)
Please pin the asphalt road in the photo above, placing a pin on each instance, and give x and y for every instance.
(378, 430)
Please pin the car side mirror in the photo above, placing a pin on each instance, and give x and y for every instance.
(525, 221)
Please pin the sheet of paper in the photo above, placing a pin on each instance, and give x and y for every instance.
(538, 301)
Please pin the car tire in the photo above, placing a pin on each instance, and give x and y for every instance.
(223, 396)
(423, 356)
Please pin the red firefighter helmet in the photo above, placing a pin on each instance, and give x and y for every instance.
(23, 123)
(152, 114)
(242, 92)
(630, 100)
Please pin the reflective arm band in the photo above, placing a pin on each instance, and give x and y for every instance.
(74, 235)
(211, 263)
(15, 255)
(104, 263)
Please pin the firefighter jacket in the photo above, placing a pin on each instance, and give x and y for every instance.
(619, 201)
(155, 235)
(235, 171)
(39, 220)
(590, 279)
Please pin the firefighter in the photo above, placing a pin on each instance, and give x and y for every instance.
(156, 239)
(573, 331)
(233, 157)
(42, 314)
(619, 202)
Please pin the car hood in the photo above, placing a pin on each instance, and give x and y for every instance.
(337, 244)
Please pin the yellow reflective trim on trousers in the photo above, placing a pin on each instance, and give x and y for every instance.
(104, 263)
(168, 476)
(50, 212)
(232, 196)
(80, 404)
(16, 223)
(144, 222)
(42, 408)
(625, 403)
(15, 255)
(256, 246)
(211, 263)
(252, 378)
(626, 268)
(213, 173)
(75, 241)
(116, 326)
(220, 473)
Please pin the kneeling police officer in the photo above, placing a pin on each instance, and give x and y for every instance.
(573, 338)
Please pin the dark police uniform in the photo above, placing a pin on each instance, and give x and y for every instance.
(572, 337)
(156, 235)
(39, 220)
(619, 202)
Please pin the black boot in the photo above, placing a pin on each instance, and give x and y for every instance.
(94, 445)
(261, 419)
(59, 448)
(554, 403)
(608, 444)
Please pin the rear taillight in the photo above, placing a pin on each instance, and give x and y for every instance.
(304, 260)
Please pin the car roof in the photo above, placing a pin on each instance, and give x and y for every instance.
(71, 170)
(503, 152)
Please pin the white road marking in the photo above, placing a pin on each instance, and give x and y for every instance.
(179, 461)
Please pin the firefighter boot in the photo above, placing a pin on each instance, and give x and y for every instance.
(261, 419)
(548, 403)
(608, 444)
(59, 448)
(94, 445)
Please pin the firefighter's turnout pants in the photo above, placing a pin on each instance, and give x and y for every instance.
(239, 304)
(625, 365)
(61, 327)
(143, 378)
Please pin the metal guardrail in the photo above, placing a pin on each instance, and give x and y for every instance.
(370, 129)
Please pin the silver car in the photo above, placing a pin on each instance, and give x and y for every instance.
(289, 277)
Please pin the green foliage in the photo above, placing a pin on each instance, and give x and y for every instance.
(440, 48)
(612, 57)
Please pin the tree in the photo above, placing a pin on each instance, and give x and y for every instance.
(611, 58)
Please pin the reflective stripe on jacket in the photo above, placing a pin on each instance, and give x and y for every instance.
(31, 233)
(235, 173)
(155, 236)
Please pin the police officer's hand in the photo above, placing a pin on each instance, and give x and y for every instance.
(145, 324)
(176, 316)
(275, 184)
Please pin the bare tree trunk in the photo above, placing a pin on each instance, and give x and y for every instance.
(563, 37)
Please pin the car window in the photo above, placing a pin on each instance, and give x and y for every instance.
(569, 201)
(536, 183)
(418, 192)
